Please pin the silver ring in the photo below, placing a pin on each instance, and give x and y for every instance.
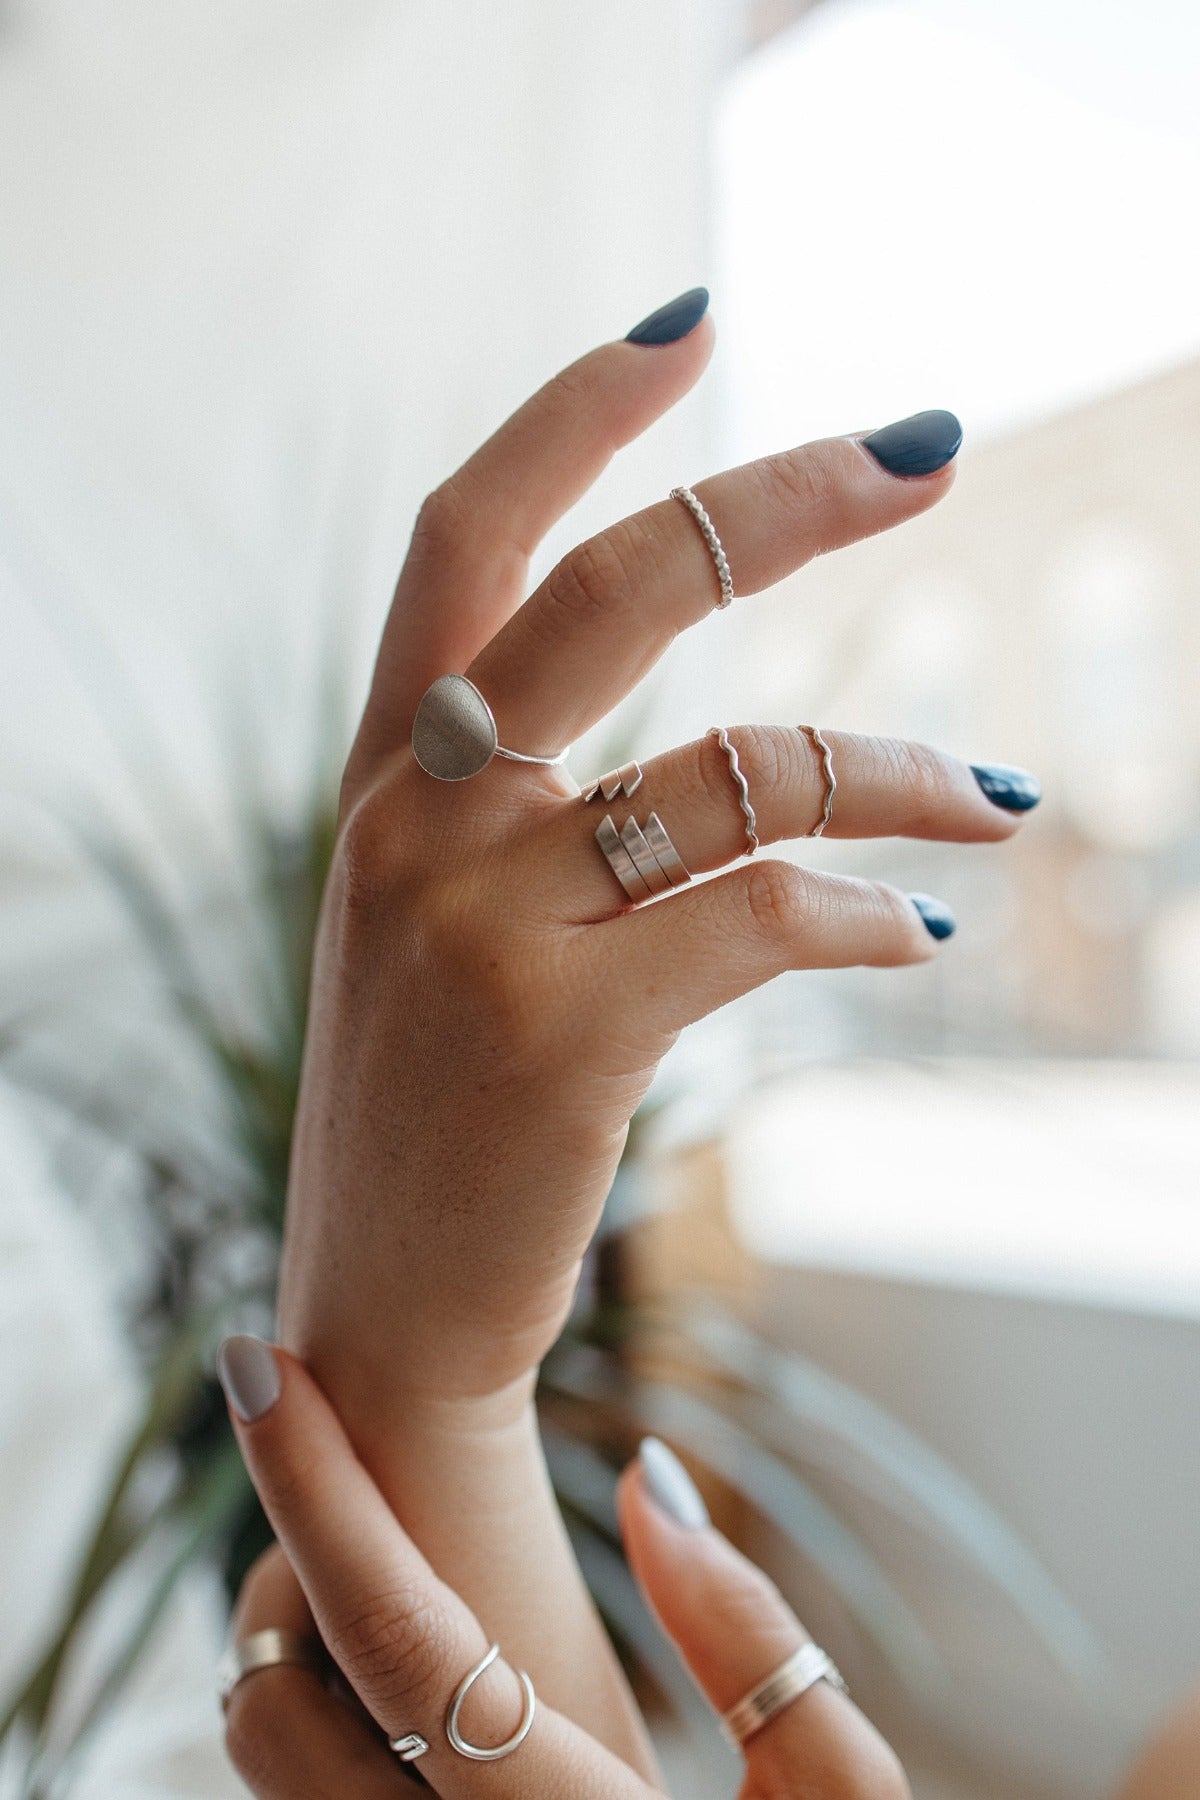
(735, 769)
(408, 1747)
(826, 755)
(708, 532)
(268, 1649)
(625, 780)
(475, 1751)
(794, 1676)
(454, 733)
(642, 857)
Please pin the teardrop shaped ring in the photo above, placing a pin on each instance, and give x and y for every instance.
(475, 1751)
(454, 733)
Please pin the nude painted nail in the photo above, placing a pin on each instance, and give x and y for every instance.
(249, 1373)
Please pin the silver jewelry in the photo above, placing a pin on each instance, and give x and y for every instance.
(454, 732)
(735, 769)
(267, 1650)
(800, 1671)
(709, 533)
(409, 1747)
(625, 780)
(643, 858)
(458, 1741)
(826, 755)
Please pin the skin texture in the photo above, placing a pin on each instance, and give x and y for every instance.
(472, 1064)
(403, 1639)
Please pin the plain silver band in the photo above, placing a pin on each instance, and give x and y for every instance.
(826, 755)
(268, 1650)
(669, 859)
(474, 1751)
(743, 790)
(644, 859)
(708, 532)
(543, 762)
(801, 1671)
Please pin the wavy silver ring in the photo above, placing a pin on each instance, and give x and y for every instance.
(826, 755)
(735, 769)
(454, 732)
(708, 532)
(475, 1751)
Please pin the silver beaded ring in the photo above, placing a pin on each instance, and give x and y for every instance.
(709, 533)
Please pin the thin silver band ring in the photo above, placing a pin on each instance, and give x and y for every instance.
(716, 549)
(268, 1649)
(767, 1698)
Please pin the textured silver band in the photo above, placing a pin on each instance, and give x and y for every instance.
(268, 1650)
(765, 1701)
(709, 533)
(476, 1752)
(826, 755)
(743, 791)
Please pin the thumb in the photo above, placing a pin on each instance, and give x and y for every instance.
(732, 1627)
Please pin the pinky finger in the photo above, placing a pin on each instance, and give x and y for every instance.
(713, 942)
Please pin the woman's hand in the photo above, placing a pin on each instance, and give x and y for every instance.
(403, 1640)
(488, 1010)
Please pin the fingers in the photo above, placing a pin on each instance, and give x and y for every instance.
(467, 567)
(732, 1628)
(885, 788)
(608, 611)
(402, 1638)
(285, 1732)
(705, 945)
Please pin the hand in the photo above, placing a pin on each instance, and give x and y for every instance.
(403, 1640)
(487, 1009)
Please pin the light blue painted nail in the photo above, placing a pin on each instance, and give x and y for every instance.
(671, 1485)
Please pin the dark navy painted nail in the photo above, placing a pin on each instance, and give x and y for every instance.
(1016, 790)
(917, 446)
(940, 922)
(672, 321)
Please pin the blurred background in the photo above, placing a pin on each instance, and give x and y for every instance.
(266, 275)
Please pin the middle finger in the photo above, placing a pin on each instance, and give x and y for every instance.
(608, 611)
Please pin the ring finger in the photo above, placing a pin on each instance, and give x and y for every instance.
(886, 787)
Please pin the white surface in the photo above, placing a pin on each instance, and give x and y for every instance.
(976, 204)
(1066, 1180)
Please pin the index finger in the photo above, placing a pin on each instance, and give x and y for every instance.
(401, 1637)
(468, 563)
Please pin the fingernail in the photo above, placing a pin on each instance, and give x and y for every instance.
(940, 922)
(671, 1485)
(249, 1373)
(917, 446)
(672, 321)
(1016, 790)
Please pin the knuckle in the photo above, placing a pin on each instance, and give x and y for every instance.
(393, 1648)
(922, 782)
(779, 899)
(442, 518)
(369, 852)
(603, 577)
(804, 480)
